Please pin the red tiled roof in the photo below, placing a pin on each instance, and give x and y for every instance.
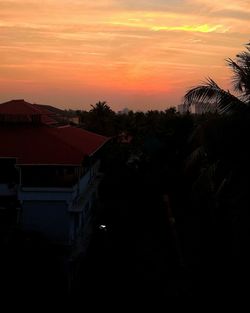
(23, 108)
(48, 120)
(51, 109)
(43, 144)
(47, 145)
(59, 116)
(86, 141)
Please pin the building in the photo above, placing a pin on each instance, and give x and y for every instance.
(182, 108)
(202, 108)
(196, 108)
(49, 172)
(61, 116)
(124, 111)
(74, 119)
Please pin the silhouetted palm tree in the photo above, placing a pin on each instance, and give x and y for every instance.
(211, 95)
(101, 119)
(218, 165)
(101, 108)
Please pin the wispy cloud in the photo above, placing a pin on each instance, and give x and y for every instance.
(232, 5)
(205, 28)
(121, 46)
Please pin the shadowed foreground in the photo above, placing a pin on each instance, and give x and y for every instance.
(136, 257)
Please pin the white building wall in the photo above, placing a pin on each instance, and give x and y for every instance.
(46, 194)
(198, 108)
(48, 218)
(60, 213)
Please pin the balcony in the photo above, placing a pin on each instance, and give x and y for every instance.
(45, 194)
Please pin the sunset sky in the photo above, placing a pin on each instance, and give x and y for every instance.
(140, 54)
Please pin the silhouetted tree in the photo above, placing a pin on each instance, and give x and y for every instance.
(101, 109)
(218, 170)
(211, 95)
(101, 119)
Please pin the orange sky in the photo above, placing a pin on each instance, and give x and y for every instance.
(137, 54)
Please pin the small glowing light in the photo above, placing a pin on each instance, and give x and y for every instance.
(103, 227)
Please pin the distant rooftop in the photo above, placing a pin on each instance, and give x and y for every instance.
(51, 109)
(21, 111)
(21, 107)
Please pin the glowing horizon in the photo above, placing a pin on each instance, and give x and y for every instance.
(141, 55)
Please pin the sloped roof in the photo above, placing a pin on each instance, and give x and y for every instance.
(48, 145)
(53, 110)
(21, 107)
(76, 136)
(25, 109)
(43, 143)
(58, 115)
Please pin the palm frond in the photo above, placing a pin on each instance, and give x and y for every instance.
(241, 72)
(194, 134)
(206, 179)
(211, 96)
(201, 93)
(195, 157)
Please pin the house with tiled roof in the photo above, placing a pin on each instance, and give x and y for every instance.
(62, 116)
(49, 172)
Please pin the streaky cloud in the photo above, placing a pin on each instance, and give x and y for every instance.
(205, 28)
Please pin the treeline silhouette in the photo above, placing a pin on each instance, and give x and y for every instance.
(201, 163)
(174, 199)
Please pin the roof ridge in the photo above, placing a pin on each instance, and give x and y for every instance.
(64, 141)
(35, 107)
(89, 132)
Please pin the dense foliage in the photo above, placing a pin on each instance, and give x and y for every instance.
(175, 197)
(202, 164)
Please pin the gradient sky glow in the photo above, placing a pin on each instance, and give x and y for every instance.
(140, 54)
